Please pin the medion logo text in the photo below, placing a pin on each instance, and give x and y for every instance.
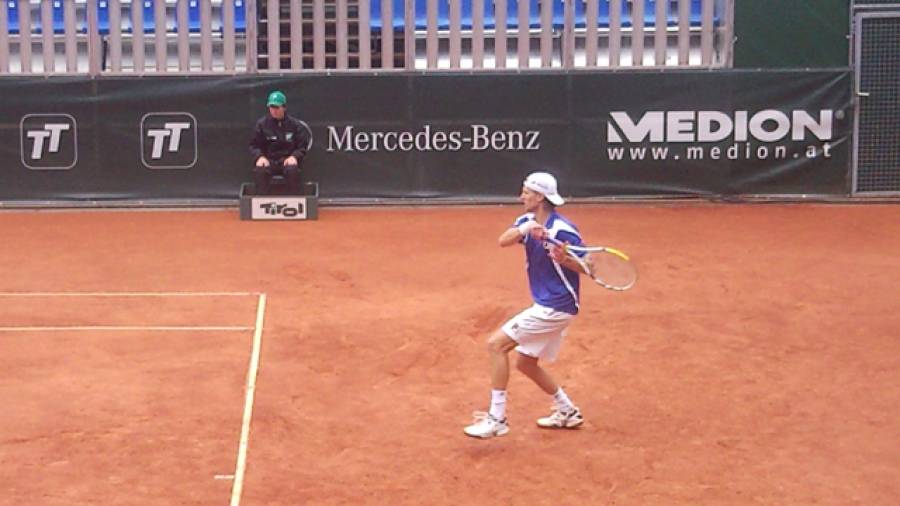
(476, 138)
(713, 126)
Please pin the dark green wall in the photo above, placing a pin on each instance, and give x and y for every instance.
(791, 33)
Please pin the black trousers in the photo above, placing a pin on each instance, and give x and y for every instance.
(262, 177)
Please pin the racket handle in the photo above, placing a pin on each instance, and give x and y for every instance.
(556, 242)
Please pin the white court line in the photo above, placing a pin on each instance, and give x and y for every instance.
(128, 294)
(123, 328)
(241, 465)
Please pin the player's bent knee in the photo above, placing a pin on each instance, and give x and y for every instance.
(499, 342)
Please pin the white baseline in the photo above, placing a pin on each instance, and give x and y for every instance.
(252, 372)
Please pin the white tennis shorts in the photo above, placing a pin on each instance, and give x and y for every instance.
(539, 330)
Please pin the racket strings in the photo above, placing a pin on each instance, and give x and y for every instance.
(613, 270)
(607, 266)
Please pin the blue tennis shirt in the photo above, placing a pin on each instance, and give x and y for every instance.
(552, 285)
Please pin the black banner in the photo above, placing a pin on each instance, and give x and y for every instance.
(433, 136)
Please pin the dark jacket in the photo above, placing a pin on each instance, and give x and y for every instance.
(278, 139)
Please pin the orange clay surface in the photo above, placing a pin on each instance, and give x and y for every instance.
(756, 362)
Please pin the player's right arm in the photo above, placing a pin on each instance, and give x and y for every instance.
(523, 227)
(510, 237)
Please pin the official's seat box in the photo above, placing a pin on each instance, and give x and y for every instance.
(280, 207)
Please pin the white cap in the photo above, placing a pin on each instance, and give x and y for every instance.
(545, 184)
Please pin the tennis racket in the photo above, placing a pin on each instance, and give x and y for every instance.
(608, 267)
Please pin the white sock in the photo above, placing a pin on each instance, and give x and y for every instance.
(498, 404)
(562, 401)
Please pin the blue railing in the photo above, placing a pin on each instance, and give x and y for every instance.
(240, 17)
(534, 14)
(12, 17)
(443, 18)
(12, 6)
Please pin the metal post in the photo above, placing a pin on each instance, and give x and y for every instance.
(523, 36)
(660, 34)
(252, 36)
(568, 40)
(184, 41)
(684, 32)
(228, 35)
(409, 34)
(25, 35)
(365, 34)
(205, 35)
(477, 34)
(296, 17)
(159, 35)
(637, 33)
(137, 34)
(431, 35)
(547, 32)
(341, 33)
(728, 43)
(500, 34)
(318, 34)
(71, 36)
(590, 43)
(615, 32)
(706, 33)
(115, 36)
(95, 45)
(273, 34)
(455, 36)
(4, 41)
(387, 34)
(47, 48)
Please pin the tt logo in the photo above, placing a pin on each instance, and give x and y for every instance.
(169, 140)
(172, 131)
(49, 141)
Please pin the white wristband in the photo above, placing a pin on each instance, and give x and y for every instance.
(526, 227)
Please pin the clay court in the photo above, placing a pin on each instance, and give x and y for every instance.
(756, 361)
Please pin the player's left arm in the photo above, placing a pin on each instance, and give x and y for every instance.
(559, 255)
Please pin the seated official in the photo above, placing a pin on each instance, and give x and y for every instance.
(278, 147)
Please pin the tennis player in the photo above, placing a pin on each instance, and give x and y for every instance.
(537, 332)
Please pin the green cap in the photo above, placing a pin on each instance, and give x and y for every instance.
(277, 99)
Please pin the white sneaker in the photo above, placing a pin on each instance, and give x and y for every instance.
(486, 426)
(560, 419)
